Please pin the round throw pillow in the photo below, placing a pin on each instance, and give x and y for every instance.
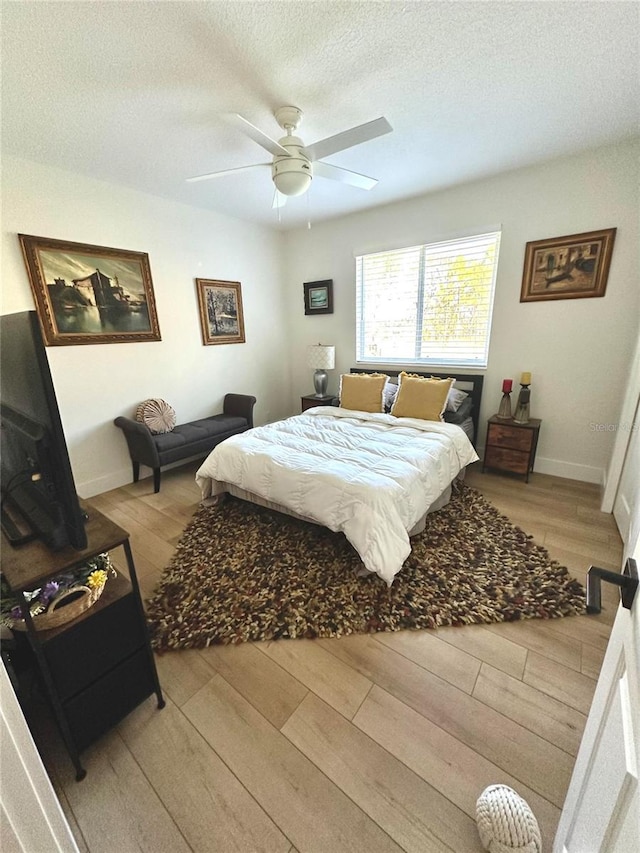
(157, 415)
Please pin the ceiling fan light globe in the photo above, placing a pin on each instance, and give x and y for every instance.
(292, 183)
(292, 175)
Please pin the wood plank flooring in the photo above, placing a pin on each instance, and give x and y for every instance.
(369, 743)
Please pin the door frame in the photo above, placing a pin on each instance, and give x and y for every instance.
(629, 409)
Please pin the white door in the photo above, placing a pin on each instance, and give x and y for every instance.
(602, 809)
(31, 817)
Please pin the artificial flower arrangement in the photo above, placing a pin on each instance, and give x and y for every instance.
(93, 575)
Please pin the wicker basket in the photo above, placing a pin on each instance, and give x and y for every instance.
(58, 613)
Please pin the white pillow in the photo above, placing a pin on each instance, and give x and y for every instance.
(454, 400)
(389, 394)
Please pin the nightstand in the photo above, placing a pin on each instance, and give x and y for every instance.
(311, 400)
(511, 446)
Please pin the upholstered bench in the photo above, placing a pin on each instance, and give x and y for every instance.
(185, 440)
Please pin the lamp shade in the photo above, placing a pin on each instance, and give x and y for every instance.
(321, 357)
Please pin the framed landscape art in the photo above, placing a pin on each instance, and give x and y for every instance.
(221, 316)
(90, 294)
(569, 267)
(318, 297)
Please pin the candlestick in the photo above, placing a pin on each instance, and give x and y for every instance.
(522, 409)
(504, 412)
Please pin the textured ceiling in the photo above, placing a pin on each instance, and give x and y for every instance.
(134, 92)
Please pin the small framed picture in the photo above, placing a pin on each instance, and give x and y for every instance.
(571, 267)
(221, 317)
(318, 297)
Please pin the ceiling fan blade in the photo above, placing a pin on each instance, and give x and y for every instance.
(279, 200)
(257, 135)
(335, 173)
(347, 139)
(225, 172)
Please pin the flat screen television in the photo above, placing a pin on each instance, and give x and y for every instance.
(37, 489)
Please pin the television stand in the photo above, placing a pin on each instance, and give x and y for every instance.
(100, 666)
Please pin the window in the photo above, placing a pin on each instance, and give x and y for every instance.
(427, 304)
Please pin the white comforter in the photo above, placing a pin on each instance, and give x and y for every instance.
(371, 476)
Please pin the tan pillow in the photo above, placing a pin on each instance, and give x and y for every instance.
(157, 415)
(419, 397)
(362, 391)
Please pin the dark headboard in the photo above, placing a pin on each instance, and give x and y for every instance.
(469, 382)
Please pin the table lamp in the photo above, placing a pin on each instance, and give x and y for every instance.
(322, 358)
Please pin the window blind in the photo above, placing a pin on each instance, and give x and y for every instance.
(427, 304)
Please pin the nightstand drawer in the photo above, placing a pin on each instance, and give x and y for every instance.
(516, 438)
(511, 446)
(107, 701)
(91, 648)
(516, 461)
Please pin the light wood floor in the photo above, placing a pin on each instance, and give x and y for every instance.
(367, 743)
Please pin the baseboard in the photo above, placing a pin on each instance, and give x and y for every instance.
(113, 480)
(569, 470)
(124, 477)
(558, 468)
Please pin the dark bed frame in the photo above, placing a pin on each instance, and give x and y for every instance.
(469, 382)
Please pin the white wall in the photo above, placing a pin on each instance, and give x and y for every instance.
(577, 349)
(95, 383)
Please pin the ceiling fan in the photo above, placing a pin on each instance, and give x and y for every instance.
(291, 168)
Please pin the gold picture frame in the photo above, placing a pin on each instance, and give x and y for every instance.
(221, 314)
(571, 267)
(88, 294)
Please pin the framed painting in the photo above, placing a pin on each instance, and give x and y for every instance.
(221, 316)
(571, 267)
(318, 297)
(90, 294)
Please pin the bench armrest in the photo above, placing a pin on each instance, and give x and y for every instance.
(140, 442)
(240, 405)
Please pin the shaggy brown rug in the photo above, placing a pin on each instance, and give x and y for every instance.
(244, 573)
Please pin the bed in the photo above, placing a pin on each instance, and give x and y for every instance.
(370, 475)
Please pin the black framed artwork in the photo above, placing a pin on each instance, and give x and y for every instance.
(318, 297)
